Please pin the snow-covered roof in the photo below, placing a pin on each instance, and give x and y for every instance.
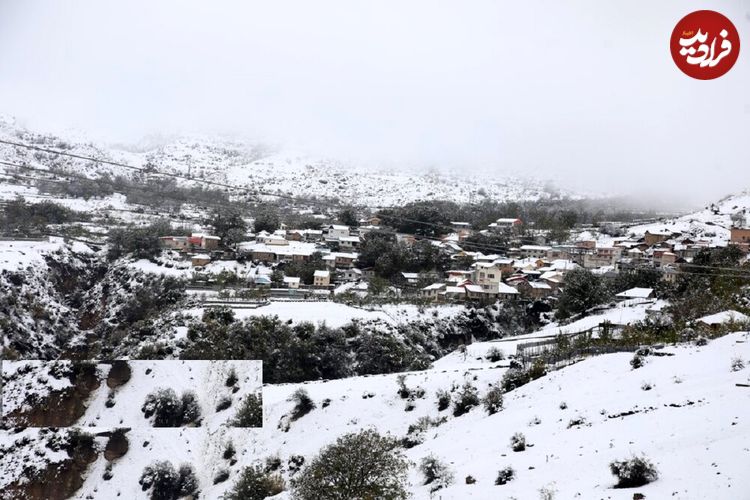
(534, 248)
(322, 274)
(202, 256)
(727, 316)
(343, 255)
(539, 286)
(291, 279)
(410, 276)
(636, 293)
(293, 248)
(434, 286)
(502, 288)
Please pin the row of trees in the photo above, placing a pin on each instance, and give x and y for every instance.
(18, 217)
(301, 352)
(431, 218)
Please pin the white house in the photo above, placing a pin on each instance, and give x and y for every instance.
(336, 232)
(322, 278)
(291, 282)
(487, 275)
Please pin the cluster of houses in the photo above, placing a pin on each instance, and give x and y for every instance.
(199, 247)
(527, 271)
(538, 271)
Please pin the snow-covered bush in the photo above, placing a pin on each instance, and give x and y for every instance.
(255, 484)
(647, 386)
(538, 369)
(166, 483)
(547, 492)
(635, 471)
(505, 475)
(358, 465)
(443, 399)
(637, 361)
(231, 378)
(303, 404)
(465, 399)
(224, 403)
(495, 354)
(221, 476)
(518, 442)
(576, 421)
(407, 393)
(493, 400)
(229, 451)
(737, 364)
(415, 435)
(514, 378)
(436, 473)
(170, 411)
(250, 412)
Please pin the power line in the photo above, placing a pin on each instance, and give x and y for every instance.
(231, 187)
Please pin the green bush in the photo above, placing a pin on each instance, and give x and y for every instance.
(493, 400)
(361, 465)
(466, 398)
(255, 484)
(250, 412)
(633, 472)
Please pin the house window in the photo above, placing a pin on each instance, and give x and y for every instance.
(491, 276)
(481, 275)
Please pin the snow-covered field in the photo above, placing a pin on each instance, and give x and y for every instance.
(693, 424)
(335, 314)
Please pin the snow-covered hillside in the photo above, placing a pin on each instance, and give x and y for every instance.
(262, 169)
(692, 423)
(685, 410)
(712, 223)
(117, 393)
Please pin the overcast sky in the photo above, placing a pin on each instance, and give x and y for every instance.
(584, 93)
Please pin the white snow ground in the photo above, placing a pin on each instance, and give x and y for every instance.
(204, 378)
(693, 424)
(335, 314)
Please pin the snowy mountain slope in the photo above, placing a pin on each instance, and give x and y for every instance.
(711, 223)
(692, 424)
(207, 379)
(475, 354)
(259, 168)
(34, 309)
(27, 454)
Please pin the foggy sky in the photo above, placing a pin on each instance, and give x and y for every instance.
(583, 93)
